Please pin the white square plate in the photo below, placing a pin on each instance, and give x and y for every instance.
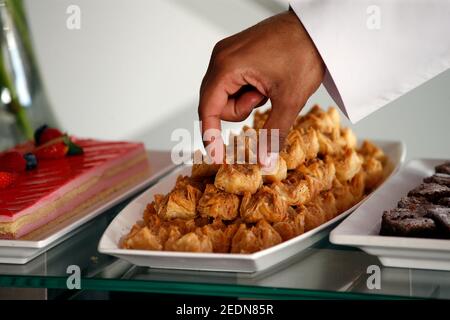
(229, 262)
(21, 251)
(362, 228)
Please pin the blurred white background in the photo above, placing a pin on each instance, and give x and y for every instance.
(134, 68)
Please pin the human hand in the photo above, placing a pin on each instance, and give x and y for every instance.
(275, 59)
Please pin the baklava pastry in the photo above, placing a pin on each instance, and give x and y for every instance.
(238, 178)
(191, 242)
(256, 238)
(179, 203)
(242, 148)
(241, 207)
(292, 226)
(319, 211)
(347, 138)
(300, 145)
(323, 170)
(151, 218)
(310, 143)
(141, 239)
(344, 198)
(203, 170)
(374, 172)
(220, 236)
(294, 190)
(328, 204)
(348, 164)
(368, 149)
(260, 118)
(278, 172)
(266, 204)
(218, 204)
(357, 186)
(203, 166)
(183, 225)
(198, 183)
(327, 122)
(293, 153)
(326, 145)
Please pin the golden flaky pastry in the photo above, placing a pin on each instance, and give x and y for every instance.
(373, 171)
(375, 164)
(327, 122)
(203, 166)
(348, 193)
(275, 172)
(143, 239)
(203, 170)
(323, 170)
(266, 204)
(320, 210)
(242, 148)
(260, 118)
(198, 183)
(252, 239)
(218, 204)
(368, 149)
(292, 226)
(300, 145)
(327, 146)
(348, 164)
(220, 235)
(179, 203)
(192, 242)
(294, 189)
(238, 178)
(239, 208)
(347, 138)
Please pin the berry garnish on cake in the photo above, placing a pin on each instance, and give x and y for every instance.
(57, 176)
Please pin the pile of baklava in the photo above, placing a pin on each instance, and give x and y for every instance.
(242, 208)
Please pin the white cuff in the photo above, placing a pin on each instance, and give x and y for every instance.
(376, 53)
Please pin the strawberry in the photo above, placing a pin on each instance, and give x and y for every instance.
(12, 161)
(74, 149)
(7, 179)
(49, 134)
(44, 134)
(55, 150)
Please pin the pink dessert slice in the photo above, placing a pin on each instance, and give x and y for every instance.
(63, 186)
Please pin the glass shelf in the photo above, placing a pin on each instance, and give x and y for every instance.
(321, 271)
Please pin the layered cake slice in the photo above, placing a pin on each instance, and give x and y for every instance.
(61, 184)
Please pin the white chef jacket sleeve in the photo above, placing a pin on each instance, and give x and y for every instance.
(377, 50)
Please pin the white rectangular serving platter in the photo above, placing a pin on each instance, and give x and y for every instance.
(227, 262)
(361, 229)
(22, 251)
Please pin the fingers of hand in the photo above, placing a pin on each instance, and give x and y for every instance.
(285, 109)
(239, 107)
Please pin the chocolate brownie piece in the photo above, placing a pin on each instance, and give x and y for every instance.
(444, 202)
(439, 178)
(412, 202)
(441, 217)
(431, 191)
(443, 168)
(407, 223)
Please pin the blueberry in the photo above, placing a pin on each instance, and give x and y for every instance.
(31, 161)
(38, 133)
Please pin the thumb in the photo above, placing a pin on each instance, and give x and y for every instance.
(239, 108)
